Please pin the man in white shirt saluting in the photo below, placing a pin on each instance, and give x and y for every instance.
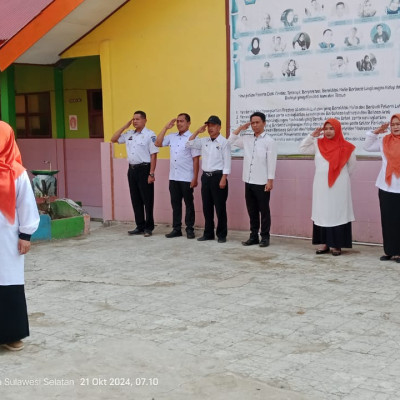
(216, 165)
(142, 158)
(183, 173)
(259, 164)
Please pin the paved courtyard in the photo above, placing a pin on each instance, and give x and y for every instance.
(120, 317)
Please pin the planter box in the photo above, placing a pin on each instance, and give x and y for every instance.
(67, 227)
(61, 228)
(44, 230)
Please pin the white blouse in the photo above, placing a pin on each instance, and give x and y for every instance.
(26, 221)
(374, 143)
(331, 206)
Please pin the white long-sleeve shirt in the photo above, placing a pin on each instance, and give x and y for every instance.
(375, 143)
(260, 155)
(331, 206)
(216, 154)
(26, 221)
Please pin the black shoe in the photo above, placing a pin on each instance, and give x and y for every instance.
(173, 234)
(203, 238)
(323, 251)
(250, 242)
(136, 231)
(385, 258)
(221, 240)
(264, 243)
(190, 235)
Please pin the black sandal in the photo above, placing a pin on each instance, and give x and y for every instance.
(385, 258)
(322, 251)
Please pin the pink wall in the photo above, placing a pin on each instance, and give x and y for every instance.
(78, 161)
(90, 178)
(35, 151)
(290, 199)
(88, 174)
(83, 177)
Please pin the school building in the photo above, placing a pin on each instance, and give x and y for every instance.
(74, 71)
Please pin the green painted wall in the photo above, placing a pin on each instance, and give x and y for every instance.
(75, 103)
(80, 75)
(83, 73)
(7, 95)
(33, 78)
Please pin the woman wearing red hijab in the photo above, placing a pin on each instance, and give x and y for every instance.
(332, 207)
(19, 219)
(388, 182)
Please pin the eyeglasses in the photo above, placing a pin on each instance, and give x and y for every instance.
(395, 125)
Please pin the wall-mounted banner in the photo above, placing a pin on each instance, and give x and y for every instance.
(303, 61)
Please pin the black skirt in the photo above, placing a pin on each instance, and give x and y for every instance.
(337, 237)
(14, 323)
(390, 220)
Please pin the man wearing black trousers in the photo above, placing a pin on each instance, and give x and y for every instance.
(142, 157)
(183, 174)
(259, 164)
(216, 165)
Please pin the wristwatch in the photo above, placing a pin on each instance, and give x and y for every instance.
(152, 175)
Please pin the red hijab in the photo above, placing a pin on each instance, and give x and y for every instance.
(336, 151)
(10, 169)
(391, 149)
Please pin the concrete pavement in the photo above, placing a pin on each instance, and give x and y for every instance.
(119, 317)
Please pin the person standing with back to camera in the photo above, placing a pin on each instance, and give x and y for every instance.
(388, 183)
(19, 219)
(332, 208)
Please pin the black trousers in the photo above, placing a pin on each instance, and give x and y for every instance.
(390, 220)
(14, 323)
(257, 203)
(213, 196)
(181, 190)
(142, 196)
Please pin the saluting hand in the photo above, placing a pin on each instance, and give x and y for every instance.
(318, 132)
(171, 123)
(382, 129)
(241, 128)
(201, 129)
(245, 126)
(128, 124)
